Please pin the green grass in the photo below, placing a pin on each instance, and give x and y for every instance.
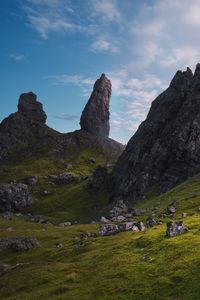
(128, 266)
(105, 268)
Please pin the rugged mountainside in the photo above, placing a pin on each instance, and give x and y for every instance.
(95, 116)
(25, 131)
(165, 150)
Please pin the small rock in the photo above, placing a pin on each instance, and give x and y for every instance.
(171, 209)
(68, 165)
(184, 215)
(45, 193)
(108, 229)
(65, 224)
(57, 245)
(104, 220)
(176, 228)
(31, 180)
(118, 219)
(141, 226)
(150, 222)
(85, 235)
(135, 228)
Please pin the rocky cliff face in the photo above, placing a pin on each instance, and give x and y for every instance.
(28, 123)
(95, 116)
(165, 150)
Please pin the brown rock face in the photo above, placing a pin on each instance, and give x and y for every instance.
(165, 150)
(95, 116)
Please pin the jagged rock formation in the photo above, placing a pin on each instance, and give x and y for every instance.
(95, 116)
(165, 150)
(28, 123)
(24, 133)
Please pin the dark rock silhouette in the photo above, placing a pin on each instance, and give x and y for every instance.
(27, 124)
(165, 150)
(95, 116)
(24, 133)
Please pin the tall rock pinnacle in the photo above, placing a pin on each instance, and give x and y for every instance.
(95, 116)
(165, 150)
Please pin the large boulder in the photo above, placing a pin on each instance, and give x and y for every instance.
(176, 228)
(165, 150)
(14, 197)
(95, 116)
(18, 243)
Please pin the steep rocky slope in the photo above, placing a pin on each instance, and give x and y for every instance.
(165, 150)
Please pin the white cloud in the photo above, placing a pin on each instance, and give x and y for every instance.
(107, 10)
(17, 57)
(104, 45)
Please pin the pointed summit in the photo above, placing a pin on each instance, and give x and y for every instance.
(95, 116)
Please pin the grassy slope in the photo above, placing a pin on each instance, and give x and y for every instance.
(109, 268)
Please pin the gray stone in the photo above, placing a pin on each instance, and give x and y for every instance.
(31, 180)
(176, 228)
(65, 224)
(171, 209)
(104, 220)
(108, 229)
(18, 243)
(14, 197)
(150, 222)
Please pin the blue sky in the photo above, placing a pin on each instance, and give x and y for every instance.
(58, 48)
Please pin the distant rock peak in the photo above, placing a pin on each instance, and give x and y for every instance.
(95, 116)
(30, 108)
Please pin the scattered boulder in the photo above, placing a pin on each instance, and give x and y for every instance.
(176, 228)
(14, 197)
(66, 178)
(85, 235)
(150, 222)
(119, 209)
(138, 212)
(112, 229)
(18, 243)
(65, 224)
(31, 180)
(104, 220)
(118, 219)
(68, 165)
(45, 193)
(108, 229)
(171, 209)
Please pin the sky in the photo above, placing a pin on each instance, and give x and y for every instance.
(58, 48)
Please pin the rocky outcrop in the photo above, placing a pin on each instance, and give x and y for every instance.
(165, 150)
(112, 229)
(21, 128)
(95, 116)
(14, 197)
(18, 243)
